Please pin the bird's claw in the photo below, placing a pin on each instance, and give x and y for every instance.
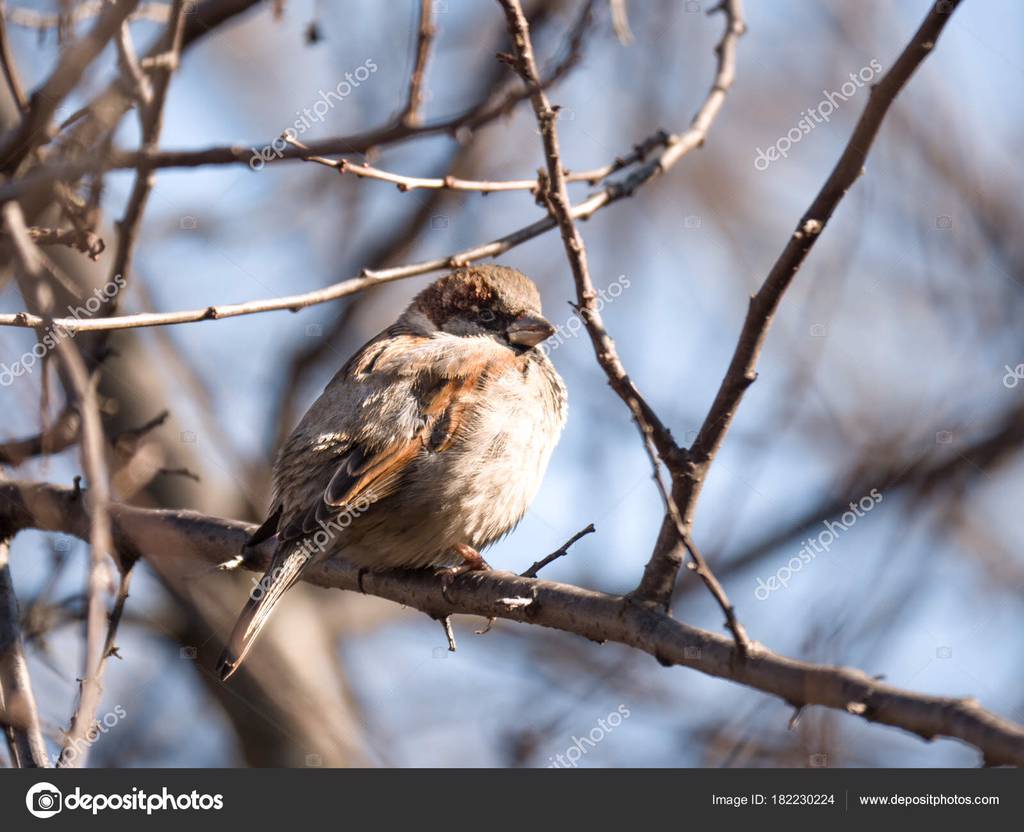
(472, 562)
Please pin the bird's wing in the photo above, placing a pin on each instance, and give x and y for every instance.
(431, 378)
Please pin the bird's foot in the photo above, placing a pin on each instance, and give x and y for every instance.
(472, 561)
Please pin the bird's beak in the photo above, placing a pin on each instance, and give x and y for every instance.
(529, 330)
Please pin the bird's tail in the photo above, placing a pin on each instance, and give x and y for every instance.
(282, 574)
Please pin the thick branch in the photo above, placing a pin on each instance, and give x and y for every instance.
(176, 539)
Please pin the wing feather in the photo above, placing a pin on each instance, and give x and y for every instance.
(438, 375)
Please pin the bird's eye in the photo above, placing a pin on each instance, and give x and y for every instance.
(486, 315)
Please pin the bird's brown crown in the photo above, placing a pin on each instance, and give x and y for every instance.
(495, 294)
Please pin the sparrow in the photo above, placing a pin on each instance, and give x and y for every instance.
(427, 446)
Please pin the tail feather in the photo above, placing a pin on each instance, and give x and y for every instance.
(281, 575)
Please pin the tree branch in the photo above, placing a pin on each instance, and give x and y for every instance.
(424, 39)
(80, 389)
(59, 436)
(364, 170)
(613, 192)
(9, 66)
(676, 146)
(151, 118)
(18, 711)
(480, 114)
(177, 539)
(18, 143)
(657, 439)
(660, 573)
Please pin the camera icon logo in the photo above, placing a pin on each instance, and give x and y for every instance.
(44, 800)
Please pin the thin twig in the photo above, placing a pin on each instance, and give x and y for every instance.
(83, 10)
(151, 119)
(132, 435)
(141, 88)
(611, 193)
(647, 421)
(561, 551)
(9, 66)
(424, 39)
(449, 633)
(620, 22)
(59, 436)
(85, 241)
(19, 713)
(364, 170)
(100, 545)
